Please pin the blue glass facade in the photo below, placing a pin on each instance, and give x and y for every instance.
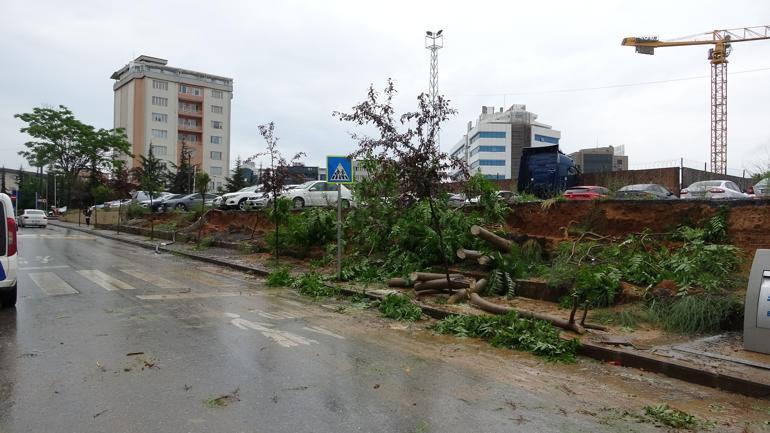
(478, 149)
(487, 134)
(546, 139)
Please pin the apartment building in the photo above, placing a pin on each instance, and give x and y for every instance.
(160, 107)
(493, 146)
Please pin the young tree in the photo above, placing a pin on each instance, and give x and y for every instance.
(274, 179)
(408, 146)
(69, 144)
(202, 181)
(119, 182)
(150, 175)
(237, 181)
(180, 179)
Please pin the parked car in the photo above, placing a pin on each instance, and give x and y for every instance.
(157, 205)
(9, 259)
(188, 202)
(457, 200)
(144, 196)
(238, 198)
(713, 189)
(645, 191)
(158, 198)
(33, 217)
(590, 192)
(318, 193)
(761, 189)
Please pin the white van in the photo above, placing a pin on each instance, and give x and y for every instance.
(9, 259)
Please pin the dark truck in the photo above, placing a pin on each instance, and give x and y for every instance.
(546, 171)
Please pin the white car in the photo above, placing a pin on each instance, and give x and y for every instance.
(33, 217)
(318, 193)
(238, 198)
(713, 189)
(9, 259)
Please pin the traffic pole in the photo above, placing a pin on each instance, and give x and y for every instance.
(339, 232)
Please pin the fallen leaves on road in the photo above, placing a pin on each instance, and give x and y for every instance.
(223, 400)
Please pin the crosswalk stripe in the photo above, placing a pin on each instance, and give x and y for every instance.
(104, 280)
(153, 279)
(171, 296)
(52, 284)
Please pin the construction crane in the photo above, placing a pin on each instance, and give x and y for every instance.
(722, 41)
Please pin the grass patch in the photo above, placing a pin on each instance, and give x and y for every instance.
(400, 307)
(314, 284)
(205, 243)
(513, 332)
(626, 318)
(675, 418)
(279, 278)
(699, 314)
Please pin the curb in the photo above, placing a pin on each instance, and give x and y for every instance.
(670, 368)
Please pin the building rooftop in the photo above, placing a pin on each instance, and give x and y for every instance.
(143, 65)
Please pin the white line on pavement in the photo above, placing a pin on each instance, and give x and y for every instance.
(52, 284)
(42, 268)
(105, 281)
(153, 279)
(192, 296)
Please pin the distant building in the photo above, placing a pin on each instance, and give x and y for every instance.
(600, 159)
(493, 146)
(298, 174)
(160, 107)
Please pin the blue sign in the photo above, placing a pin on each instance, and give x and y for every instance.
(339, 169)
(2, 272)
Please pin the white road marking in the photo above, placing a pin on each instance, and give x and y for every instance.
(43, 260)
(282, 338)
(275, 315)
(42, 268)
(52, 284)
(192, 296)
(106, 281)
(323, 331)
(68, 237)
(153, 279)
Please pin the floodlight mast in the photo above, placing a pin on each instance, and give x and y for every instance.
(434, 41)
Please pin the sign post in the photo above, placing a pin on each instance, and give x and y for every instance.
(339, 171)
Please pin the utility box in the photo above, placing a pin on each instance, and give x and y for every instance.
(756, 324)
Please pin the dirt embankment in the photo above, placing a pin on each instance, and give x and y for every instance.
(748, 221)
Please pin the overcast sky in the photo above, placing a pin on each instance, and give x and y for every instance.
(296, 62)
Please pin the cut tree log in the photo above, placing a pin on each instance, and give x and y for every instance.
(463, 254)
(428, 276)
(399, 282)
(430, 292)
(484, 260)
(491, 307)
(442, 284)
(504, 245)
(475, 287)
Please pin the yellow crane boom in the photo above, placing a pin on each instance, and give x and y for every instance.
(722, 41)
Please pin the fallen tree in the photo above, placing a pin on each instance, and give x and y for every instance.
(491, 307)
(503, 245)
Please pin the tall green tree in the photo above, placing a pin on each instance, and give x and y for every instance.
(25, 192)
(70, 145)
(181, 176)
(150, 176)
(237, 181)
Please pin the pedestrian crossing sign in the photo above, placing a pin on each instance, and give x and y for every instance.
(339, 169)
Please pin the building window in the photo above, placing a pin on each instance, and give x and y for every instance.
(478, 149)
(216, 171)
(190, 108)
(159, 150)
(159, 133)
(216, 94)
(160, 117)
(215, 155)
(546, 139)
(216, 139)
(216, 124)
(487, 134)
(492, 162)
(188, 138)
(159, 101)
(190, 90)
(216, 109)
(458, 153)
(160, 85)
(474, 164)
(188, 123)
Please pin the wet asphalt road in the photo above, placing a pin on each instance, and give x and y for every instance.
(219, 352)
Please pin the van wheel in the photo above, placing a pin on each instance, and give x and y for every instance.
(8, 297)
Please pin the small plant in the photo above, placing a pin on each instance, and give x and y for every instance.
(699, 314)
(313, 284)
(279, 278)
(135, 210)
(511, 331)
(400, 307)
(205, 243)
(675, 418)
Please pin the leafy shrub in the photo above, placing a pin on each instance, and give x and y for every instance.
(204, 243)
(675, 418)
(361, 270)
(313, 284)
(400, 307)
(135, 210)
(513, 332)
(279, 278)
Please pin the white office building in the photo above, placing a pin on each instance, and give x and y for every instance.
(493, 146)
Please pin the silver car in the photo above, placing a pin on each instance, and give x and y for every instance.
(762, 188)
(33, 217)
(713, 189)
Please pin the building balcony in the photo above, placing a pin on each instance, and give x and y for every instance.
(190, 113)
(183, 96)
(190, 128)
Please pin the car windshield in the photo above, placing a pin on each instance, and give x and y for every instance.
(763, 183)
(638, 187)
(576, 190)
(248, 189)
(305, 185)
(34, 212)
(705, 185)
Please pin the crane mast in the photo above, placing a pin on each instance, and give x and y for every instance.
(722, 41)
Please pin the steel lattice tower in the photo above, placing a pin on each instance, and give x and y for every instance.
(719, 114)
(434, 42)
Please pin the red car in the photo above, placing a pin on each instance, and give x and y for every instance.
(586, 193)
